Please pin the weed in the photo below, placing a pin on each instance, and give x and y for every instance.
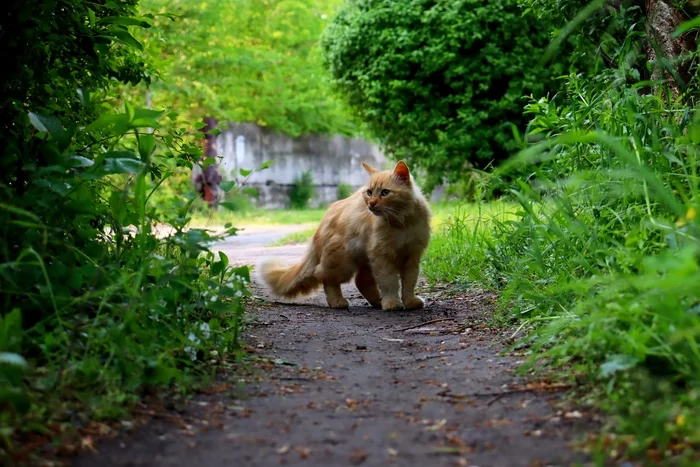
(344, 191)
(601, 257)
(302, 191)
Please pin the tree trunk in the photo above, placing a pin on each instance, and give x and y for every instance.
(663, 18)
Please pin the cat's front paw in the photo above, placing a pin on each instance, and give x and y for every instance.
(414, 303)
(339, 303)
(391, 304)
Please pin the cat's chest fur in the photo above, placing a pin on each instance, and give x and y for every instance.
(405, 238)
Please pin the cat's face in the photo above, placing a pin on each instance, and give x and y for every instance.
(389, 192)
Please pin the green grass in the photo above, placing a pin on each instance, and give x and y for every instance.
(461, 232)
(296, 237)
(599, 261)
(257, 217)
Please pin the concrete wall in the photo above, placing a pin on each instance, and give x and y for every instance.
(331, 159)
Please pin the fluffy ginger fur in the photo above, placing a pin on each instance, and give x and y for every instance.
(378, 235)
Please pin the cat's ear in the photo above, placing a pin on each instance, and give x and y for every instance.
(370, 170)
(401, 172)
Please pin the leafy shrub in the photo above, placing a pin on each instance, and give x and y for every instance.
(605, 248)
(302, 191)
(97, 306)
(439, 83)
(344, 190)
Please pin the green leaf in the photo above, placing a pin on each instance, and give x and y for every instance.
(37, 122)
(145, 118)
(243, 272)
(245, 172)
(250, 191)
(617, 363)
(224, 258)
(60, 188)
(91, 18)
(52, 126)
(75, 161)
(16, 360)
(124, 37)
(127, 21)
(147, 144)
(217, 268)
(207, 162)
(12, 368)
(108, 120)
(265, 165)
(687, 26)
(229, 205)
(227, 185)
(117, 206)
(129, 110)
(122, 166)
(83, 97)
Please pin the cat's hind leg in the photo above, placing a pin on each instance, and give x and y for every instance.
(364, 280)
(335, 268)
(334, 296)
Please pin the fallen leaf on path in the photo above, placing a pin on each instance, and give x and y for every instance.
(358, 456)
(283, 449)
(87, 443)
(304, 452)
(455, 440)
(437, 425)
(496, 423)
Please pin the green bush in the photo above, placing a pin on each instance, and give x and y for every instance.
(605, 251)
(440, 83)
(344, 191)
(96, 306)
(302, 191)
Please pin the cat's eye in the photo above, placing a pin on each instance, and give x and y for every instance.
(369, 192)
(385, 192)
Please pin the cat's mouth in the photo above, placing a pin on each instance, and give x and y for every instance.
(374, 210)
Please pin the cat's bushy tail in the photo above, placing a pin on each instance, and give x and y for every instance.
(290, 281)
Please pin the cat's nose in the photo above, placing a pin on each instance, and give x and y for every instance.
(372, 203)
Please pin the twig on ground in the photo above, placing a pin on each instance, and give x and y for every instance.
(424, 324)
(498, 395)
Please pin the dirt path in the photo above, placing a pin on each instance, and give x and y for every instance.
(362, 387)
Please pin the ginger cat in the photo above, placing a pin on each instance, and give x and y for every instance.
(378, 235)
